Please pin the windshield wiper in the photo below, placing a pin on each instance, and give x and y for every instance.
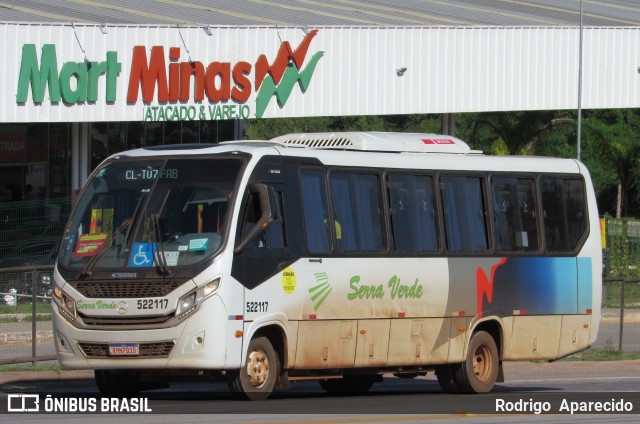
(128, 224)
(160, 252)
(88, 269)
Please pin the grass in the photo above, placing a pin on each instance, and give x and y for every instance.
(611, 295)
(603, 355)
(27, 318)
(25, 308)
(43, 312)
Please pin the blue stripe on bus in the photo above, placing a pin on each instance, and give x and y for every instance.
(540, 286)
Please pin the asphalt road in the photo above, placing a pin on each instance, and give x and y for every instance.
(394, 400)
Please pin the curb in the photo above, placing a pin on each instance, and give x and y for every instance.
(20, 317)
(633, 317)
(13, 376)
(41, 336)
(614, 320)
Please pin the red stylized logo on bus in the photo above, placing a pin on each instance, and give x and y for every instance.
(484, 285)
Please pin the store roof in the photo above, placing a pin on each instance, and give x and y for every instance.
(326, 12)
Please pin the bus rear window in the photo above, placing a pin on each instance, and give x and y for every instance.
(565, 215)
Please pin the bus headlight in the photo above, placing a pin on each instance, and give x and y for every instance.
(189, 302)
(65, 303)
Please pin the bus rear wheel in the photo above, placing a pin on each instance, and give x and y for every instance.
(257, 378)
(479, 372)
(445, 374)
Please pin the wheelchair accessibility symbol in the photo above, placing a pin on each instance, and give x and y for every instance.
(142, 255)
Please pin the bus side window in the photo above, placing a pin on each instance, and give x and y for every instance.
(464, 213)
(273, 236)
(564, 213)
(251, 215)
(316, 211)
(275, 233)
(514, 214)
(358, 213)
(413, 219)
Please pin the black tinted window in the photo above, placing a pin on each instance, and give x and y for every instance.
(358, 217)
(316, 212)
(464, 213)
(514, 214)
(412, 211)
(565, 213)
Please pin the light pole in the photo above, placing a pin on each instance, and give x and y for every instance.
(580, 85)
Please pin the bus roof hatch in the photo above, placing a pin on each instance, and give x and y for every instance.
(377, 142)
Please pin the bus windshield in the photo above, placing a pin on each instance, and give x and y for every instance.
(148, 213)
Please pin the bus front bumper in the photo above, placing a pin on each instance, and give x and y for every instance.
(200, 341)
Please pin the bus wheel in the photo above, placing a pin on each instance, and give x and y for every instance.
(445, 374)
(479, 372)
(348, 384)
(257, 378)
(117, 384)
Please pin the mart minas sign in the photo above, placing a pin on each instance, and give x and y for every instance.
(170, 89)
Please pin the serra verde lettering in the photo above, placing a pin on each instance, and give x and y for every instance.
(397, 290)
(95, 305)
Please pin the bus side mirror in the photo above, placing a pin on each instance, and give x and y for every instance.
(267, 215)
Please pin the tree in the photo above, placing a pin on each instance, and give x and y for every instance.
(520, 132)
(263, 129)
(610, 141)
(615, 136)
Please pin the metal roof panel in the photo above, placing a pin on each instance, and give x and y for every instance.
(326, 12)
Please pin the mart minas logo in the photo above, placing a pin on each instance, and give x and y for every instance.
(220, 90)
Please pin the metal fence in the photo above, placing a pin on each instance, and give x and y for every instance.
(621, 252)
(31, 230)
(25, 315)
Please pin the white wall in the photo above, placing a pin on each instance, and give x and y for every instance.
(448, 69)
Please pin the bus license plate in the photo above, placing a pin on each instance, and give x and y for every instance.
(124, 349)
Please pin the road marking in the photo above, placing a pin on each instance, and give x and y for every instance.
(381, 419)
(573, 379)
(10, 387)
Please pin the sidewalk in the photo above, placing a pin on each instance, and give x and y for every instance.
(613, 315)
(22, 376)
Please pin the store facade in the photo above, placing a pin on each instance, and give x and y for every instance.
(37, 159)
(72, 94)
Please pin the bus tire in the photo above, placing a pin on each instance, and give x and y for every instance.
(117, 384)
(257, 378)
(445, 374)
(348, 385)
(479, 372)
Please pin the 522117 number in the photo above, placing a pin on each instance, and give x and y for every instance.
(153, 303)
(257, 306)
